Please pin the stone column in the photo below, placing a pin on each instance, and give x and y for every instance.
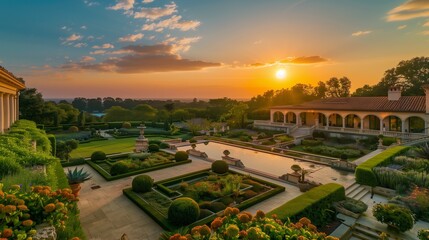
(271, 116)
(298, 119)
(284, 118)
(12, 108)
(6, 111)
(17, 105)
(361, 124)
(1, 113)
(344, 123)
(381, 125)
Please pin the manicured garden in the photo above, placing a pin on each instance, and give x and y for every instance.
(196, 198)
(124, 165)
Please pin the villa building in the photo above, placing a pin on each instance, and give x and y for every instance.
(393, 115)
(9, 98)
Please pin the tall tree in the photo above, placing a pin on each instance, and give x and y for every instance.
(409, 74)
(80, 103)
(31, 105)
(338, 87)
(170, 108)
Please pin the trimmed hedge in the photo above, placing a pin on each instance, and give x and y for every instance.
(109, 177)
(142, 183)
(311, 204)
(220, 167)
(163, 221)
(73, 162)
(364, 174)
(53, 141)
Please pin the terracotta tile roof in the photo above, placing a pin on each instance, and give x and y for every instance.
(375, 104)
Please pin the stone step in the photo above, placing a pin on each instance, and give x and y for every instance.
(361, 195)
(352, 187)
(360, 236)
(368, 232)
(355, 192)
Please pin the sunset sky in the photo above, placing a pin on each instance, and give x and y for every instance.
(202, 48)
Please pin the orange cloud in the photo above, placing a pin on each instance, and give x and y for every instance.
(409, 10)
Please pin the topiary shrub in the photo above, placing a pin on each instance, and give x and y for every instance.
(394, 216)
(220, 167)
(119, 168)
(153, 148)
(142, 184)
(164, 145)
(354, 205)
(183, 211)
(181, 156)
(193, 140)
(216, 207)
(204, 213)
(98, 155)
(126, 125)
(157, 142)
(73, 129)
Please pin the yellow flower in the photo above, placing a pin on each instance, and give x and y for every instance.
(49, 208)
(59, 205)
(232, 231)
(15, 187)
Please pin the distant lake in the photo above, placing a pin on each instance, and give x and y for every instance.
(98, 114)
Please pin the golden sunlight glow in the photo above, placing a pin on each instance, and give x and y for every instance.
(281, 74)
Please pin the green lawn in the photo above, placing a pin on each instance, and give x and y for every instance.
(109, 146)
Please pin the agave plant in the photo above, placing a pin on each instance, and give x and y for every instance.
(423, 151)
(77, 176)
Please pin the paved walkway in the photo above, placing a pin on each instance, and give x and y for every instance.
(368, 156)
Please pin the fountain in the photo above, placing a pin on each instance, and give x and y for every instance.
(142, 143)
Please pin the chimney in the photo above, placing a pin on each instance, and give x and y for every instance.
(426, 89)
(394, 93)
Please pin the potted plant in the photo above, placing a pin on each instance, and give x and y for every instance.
(303, 184)
(193, 146)
(226, 153)
(296, 168)
(75, 178)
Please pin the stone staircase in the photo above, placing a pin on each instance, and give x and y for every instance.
(302, 131)
(356, 191)
(363, 232)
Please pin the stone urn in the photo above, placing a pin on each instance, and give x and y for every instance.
(226, 153)
(75, 189)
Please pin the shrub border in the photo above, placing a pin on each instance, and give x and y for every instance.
(164, 223)
(364, 174)
(109, 177)
(308, 202)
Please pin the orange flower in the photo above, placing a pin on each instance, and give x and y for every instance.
(235, 211)
(20, 202)
(195, 230)
(22, 207)
(312, 227)
(10, 196)
(304, 221)
(1, 193)
(217, 223)
(9, 209)
(27, 223)
(228, 211)
(175, 237)
(75, 238)
(298, 225)
(242, 233)
(260, 214)
(49, 208)
(7, 232)
(244, 218)
(205, 230)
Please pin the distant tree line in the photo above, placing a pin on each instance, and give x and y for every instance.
(409, 74)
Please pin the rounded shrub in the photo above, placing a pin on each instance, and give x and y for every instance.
(73, 129)
(118, 168)
(153, 148)
(181, 156)
(220, 167)
(183, 211)
(164, 145)
(395, 216)
(157, 142)
(193, 140)
(126, 125)
(98, 155)
(142, 183)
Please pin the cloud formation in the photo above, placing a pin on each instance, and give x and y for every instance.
(131, 37)
(123, 5)
(401, 27)
(291, 60)
(156, 12)
(360, 33)
(143, 59)
(104, 46)
(173, 22)
(72, 38)
(409, 10)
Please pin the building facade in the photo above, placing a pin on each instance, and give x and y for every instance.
(9, 98)
(393, 115)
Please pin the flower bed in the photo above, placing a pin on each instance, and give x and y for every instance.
(242, 225)
(154, 161)
(212, 192)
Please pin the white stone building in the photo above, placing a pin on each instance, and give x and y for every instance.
(9, 98)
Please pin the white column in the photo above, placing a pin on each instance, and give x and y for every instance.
(344, 123)
(1, 113)
(6, 111)
(381, 125)
(271, 116)
(284, 118)
(11, 110)
(361, 124)
(17, 105)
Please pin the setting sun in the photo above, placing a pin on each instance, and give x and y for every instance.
(281, 74)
